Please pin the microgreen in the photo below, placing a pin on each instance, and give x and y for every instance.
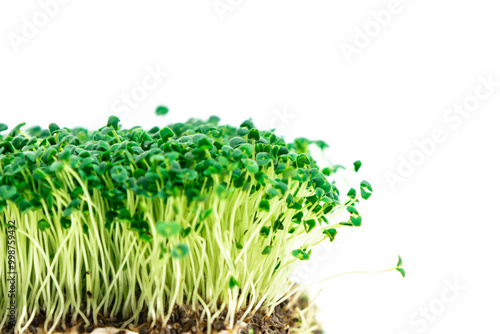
(399, 267)
(357, 165)
(161, 110)
(195, 213)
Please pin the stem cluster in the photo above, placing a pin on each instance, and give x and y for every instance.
(118, 222)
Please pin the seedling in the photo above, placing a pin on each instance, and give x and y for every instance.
(139, 226)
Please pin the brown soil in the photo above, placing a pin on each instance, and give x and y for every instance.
(186, 321)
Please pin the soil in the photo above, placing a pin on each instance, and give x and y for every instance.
(184, 321)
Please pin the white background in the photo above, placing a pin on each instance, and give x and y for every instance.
(281, 63)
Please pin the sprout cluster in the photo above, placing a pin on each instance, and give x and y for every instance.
(120, 222)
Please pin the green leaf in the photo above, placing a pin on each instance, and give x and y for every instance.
(233, 283)
(282, 187)
(24, 205)
(242, 132)
(235, 141)
(321, 144)
(352, 210)
(264, 205)
(119, 174)
(7, 192)
(88, 161)
(366, 189)
(272, 192)
(303, 160)
(247, 124)
(250, 165)
(152, 177)
(185, 232)
(267, 250)
(247, 148)
(263, 159)
(204, 214)
(124, 215)
(254, 134)
(161, 110)
(282, 150)
(48, 154)
(53, 127)
(145, 236)
(401, 271)
(3, 127)
(357, 165)
(180, 251)
(16, 129)
(111, 215)
(65, 155)
(56, 166)
(65, 223)
(356, 220)
(300, 254)
(19, 142)
(309, 225)
(330, 233)
(204, 143)
(168, 229)
(319, 181)
(400, 262)
(43, 225)
(113, 122)
(107, 131)
(297, 218)
(166, 133)
(104, 145)
(264, 231)
(276, 267)
(67, 212)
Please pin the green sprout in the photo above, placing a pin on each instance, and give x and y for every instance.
(134, 223)
(161, 110)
